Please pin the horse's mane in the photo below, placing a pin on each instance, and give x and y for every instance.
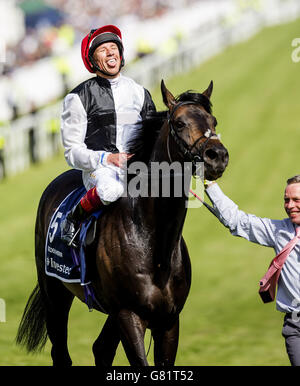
(142, 145)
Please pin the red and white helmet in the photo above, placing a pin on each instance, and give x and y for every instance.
(107, 33)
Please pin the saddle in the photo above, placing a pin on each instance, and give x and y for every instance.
(62, 261)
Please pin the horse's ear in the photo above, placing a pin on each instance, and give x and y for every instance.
(209, 90)
(168, 98)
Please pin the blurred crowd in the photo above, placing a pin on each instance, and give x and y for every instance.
(42, 59)
(56, 25)
(107, 11)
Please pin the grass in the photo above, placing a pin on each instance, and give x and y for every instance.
(224, 322)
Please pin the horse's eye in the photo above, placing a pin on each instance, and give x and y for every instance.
(179, 125)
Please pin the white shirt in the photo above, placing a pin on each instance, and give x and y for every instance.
(128, 99)
(267, 232)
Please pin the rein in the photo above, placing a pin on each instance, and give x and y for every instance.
(185, 150)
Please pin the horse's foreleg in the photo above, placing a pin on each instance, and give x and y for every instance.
(132, 332)
(165, 345)
(105, 346)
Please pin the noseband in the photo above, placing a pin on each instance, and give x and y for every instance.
(186, 150)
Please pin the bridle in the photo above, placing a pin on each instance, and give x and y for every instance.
(186, 150)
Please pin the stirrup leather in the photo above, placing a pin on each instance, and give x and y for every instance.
(72, 241)
(69, 232)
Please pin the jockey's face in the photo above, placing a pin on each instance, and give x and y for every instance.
(292, 202)
(107, 57)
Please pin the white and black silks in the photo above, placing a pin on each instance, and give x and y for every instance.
(102, 116)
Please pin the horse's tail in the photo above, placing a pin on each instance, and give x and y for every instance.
(32, 332)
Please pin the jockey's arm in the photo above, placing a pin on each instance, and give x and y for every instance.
(73, 131)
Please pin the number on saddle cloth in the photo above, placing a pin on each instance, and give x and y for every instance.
(60, 262)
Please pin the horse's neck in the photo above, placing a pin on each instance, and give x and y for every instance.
(163, 218)
(164, 214)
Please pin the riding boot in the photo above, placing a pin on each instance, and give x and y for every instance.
(70, 226)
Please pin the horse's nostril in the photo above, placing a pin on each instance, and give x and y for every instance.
(216, 156)
(211, 154)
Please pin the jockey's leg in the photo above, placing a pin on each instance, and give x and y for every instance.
(89, 203)
(104, 186)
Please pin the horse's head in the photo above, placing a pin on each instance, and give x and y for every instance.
(192, 126)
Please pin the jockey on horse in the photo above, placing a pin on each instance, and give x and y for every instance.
(100, 116)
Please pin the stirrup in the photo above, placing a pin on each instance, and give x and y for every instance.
(72, 242)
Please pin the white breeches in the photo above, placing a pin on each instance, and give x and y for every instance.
(108, 180)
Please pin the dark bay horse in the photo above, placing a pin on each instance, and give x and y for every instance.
(139, 262)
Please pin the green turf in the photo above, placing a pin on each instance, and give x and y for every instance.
(224, 322)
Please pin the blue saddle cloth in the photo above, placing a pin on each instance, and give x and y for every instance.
(61, 261)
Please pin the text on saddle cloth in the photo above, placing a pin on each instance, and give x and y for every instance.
(60, 261)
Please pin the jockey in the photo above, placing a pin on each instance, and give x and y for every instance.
(99, 117)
